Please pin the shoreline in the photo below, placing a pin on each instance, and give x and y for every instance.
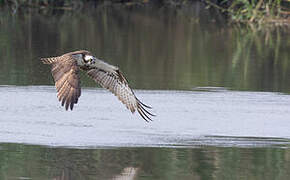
(261, 13)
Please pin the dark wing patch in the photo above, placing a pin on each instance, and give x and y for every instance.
(66, 77)
(118, 85)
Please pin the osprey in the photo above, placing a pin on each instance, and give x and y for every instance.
(65, 71)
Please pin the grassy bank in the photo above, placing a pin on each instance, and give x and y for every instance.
(254, 11)
(237, 11)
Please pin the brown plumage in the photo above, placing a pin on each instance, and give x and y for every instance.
(65, 71)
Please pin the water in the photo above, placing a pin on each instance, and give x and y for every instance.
(197, 134)
(33, 115)
(220, 93)
(37, 162)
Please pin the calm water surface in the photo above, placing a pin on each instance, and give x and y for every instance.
(36, 162)
(220, 93)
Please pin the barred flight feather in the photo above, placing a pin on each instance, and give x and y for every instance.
(66, 76)
(117, 84)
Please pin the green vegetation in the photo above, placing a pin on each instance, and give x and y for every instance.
(172, 48)
(255, 11)
(241, 11)
(64, 4)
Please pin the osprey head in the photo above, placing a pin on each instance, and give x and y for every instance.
(89, 59)
(84, 58)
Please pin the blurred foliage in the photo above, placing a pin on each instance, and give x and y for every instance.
(156, 47)
(245, 11)
(78, 4)
(255, 11)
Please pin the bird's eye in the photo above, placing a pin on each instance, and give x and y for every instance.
(84, 58)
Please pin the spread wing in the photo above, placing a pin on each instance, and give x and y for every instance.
(65, 73)
(118, 85)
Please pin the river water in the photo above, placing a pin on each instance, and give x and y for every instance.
(220, 94)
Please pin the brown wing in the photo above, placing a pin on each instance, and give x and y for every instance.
(118, 85)
(65, 73)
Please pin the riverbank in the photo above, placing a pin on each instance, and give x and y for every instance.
(259, 12)
(254, 12)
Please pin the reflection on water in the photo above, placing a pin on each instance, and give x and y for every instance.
(156, 47)
(129, 173)
(37, 162)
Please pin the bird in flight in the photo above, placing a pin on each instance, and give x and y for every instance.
(65, 71)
